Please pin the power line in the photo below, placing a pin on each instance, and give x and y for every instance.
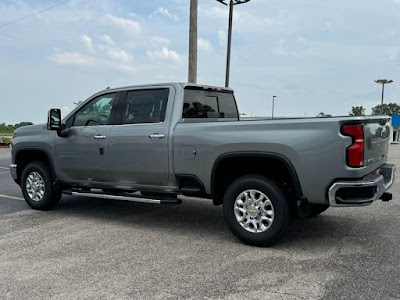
(31, 15)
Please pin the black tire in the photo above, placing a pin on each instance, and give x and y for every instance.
(51, 196)
(279, 204)
(316, 209)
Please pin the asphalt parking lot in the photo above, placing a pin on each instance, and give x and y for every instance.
(102, 249)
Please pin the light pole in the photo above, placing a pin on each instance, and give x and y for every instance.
(228, 55)
(273, 104)
(192, 72)
(383, 82)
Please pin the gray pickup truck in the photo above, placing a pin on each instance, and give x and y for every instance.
(152, 143)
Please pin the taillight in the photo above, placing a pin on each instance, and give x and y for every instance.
(355, 152)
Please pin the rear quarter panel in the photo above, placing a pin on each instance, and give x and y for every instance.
(315, 148)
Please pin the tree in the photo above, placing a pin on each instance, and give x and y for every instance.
(357, 111)
(21, 124)
(388, 109)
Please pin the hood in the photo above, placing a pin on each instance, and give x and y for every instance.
(31, 128)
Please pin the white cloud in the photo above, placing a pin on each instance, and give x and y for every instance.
(119, 55)
(163, 12)
(160, 40)
(87, 41)
(204, 45)
(107, 39)
(293, 46)
(166, 55)
(222, 37)
(126, 24)
(71, 58)
(299, 47)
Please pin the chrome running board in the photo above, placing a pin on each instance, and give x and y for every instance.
(133, 198)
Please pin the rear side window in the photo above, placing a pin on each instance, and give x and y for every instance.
(145, 106)
(200, 104)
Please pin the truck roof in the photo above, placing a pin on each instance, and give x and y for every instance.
(182, 84)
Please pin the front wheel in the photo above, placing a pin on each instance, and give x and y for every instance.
(256, 210)
(37, 187)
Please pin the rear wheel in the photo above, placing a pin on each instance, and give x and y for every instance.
(256, 210)
(37, 187)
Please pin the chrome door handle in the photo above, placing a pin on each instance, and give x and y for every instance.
(156, 136)
(99, 137)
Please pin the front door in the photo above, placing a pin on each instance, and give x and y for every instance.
(139, 146)
(82, 156)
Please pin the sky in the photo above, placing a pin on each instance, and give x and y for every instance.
(316, 56)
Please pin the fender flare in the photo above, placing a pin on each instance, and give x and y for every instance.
(271, 155)
(44, 152)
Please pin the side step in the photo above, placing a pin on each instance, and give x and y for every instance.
(125, 197)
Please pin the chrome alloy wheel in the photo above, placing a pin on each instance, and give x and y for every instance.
(35, 186)
(254, 211)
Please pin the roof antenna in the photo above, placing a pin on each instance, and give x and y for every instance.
(107, 88)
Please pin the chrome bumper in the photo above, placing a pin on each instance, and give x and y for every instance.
(13, 172)
(376, 185)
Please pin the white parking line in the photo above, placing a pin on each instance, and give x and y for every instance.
(4, 168)
(11, 197)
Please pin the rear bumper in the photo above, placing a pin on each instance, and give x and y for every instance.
(362, 192)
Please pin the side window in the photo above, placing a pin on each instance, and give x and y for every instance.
(145, 106)
(96, 112)
(199, 104)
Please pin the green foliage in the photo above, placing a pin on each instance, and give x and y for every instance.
(388, 109)
(102, 108)
(7, 140)
(9, 129)
(21, 124)
(357, 111)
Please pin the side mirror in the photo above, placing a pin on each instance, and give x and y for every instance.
(54, 119)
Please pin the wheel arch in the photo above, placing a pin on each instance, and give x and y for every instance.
(253, 158)
(26, 155)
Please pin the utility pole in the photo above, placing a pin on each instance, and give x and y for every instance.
(228, 54)
(383, 82)
(192, 76)
(273, 104)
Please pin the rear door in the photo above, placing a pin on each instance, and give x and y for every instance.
(139, 145)
(377, 136)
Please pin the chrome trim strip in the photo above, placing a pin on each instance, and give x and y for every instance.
(115, 197)
(155, 136)
(379, 182)
(100, 137)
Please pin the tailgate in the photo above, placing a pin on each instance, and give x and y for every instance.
(376, 138)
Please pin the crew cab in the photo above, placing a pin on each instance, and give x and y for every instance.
(153, 143)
